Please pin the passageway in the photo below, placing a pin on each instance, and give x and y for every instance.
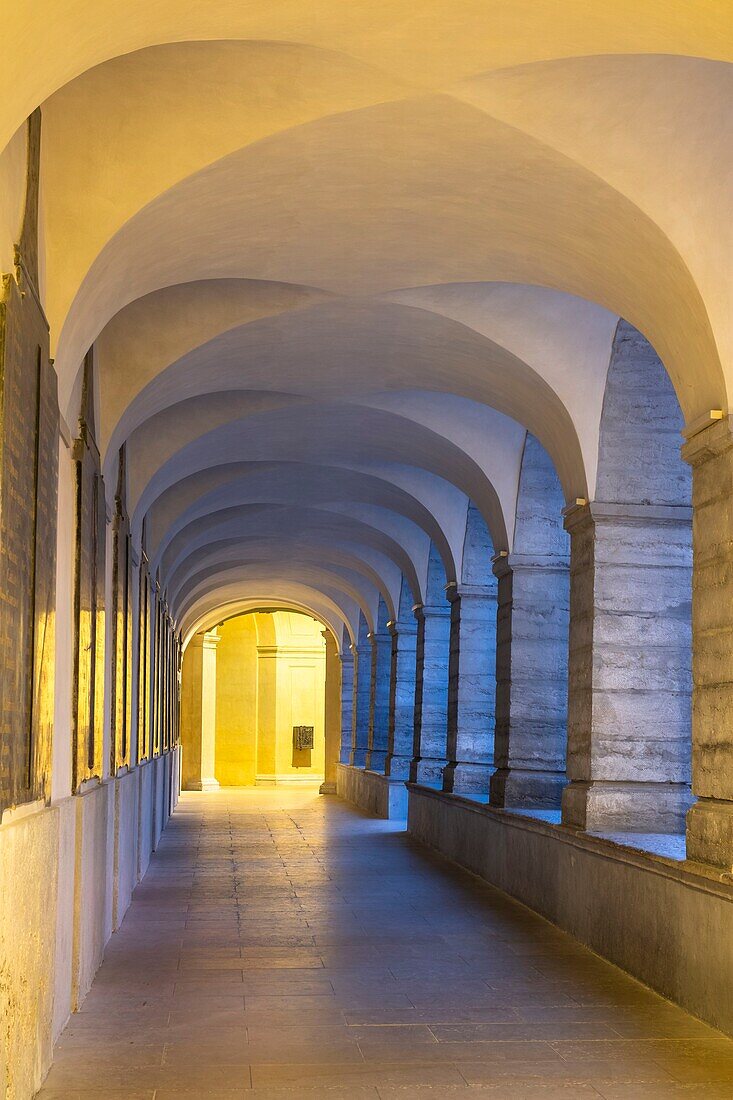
(283, 944)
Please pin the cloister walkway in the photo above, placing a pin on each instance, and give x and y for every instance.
(284, 945)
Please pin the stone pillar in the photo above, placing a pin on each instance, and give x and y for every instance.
(431, 694)
(198, 713)
(379, 702)
(362, 703)
(471, 690)
(402, 700)
(347, 707)
(331, 714)
(531, 673)
(208, 712)
(628, 758)
(710, 820)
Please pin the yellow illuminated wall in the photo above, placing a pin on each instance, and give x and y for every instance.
(270, 676)
(236, 702)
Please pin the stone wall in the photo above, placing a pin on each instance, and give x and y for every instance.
(67, 872)
(372, 792)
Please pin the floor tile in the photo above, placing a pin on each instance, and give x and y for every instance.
(285, 947)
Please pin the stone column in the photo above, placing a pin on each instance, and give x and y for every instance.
(710, 820)
(531, 690)
(402, 700)
(431, 694)
(628, 756)
(208, 712)
(198, 713)
(347, 707)
(331, 714)
(376, 757)
(362, 703)
(471, 690)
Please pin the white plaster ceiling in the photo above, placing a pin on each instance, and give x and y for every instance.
(336, 260)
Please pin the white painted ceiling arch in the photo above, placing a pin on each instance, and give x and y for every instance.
(497, 204)
(409, 236)
(461, 339)
(294, 484)
(333, 616)
(325, 578)
(429, 48)
(233, 552)
(182, 440)
(330, 529)
(208, 594)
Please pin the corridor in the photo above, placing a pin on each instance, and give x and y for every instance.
(283, 944)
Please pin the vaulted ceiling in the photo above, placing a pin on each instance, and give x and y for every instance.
(336, 260)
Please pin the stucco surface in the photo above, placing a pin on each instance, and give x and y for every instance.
(29, 849)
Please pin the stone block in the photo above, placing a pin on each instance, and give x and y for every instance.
(710, 833)
(626, 806)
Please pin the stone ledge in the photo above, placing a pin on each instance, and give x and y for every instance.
(668, 923)
(700, 876)
(373, 792)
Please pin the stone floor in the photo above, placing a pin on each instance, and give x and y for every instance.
(284, 945)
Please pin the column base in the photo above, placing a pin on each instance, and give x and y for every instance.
(710, 833)
(428, 772)
(327, 787)
(471, 780)
(602, 806)
(521, 789)
(209, 784)
(376, 760)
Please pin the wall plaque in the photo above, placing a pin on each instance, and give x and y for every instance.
(28, 495)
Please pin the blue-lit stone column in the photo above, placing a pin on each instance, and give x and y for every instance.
(431, 694)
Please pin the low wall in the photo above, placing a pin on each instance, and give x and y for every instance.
(67, 873)
(372, 792)
(669, 924)
(28, 859)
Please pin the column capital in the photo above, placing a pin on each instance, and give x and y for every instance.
(401, 626)
(432, 610)
(580, 516)
(211, 638)
(456, 591)
(713, 439)
(504, 564)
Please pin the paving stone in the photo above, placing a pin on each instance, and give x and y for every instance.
(406, 980)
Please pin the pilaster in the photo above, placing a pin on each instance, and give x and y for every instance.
(332, 714)
(208, 711)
